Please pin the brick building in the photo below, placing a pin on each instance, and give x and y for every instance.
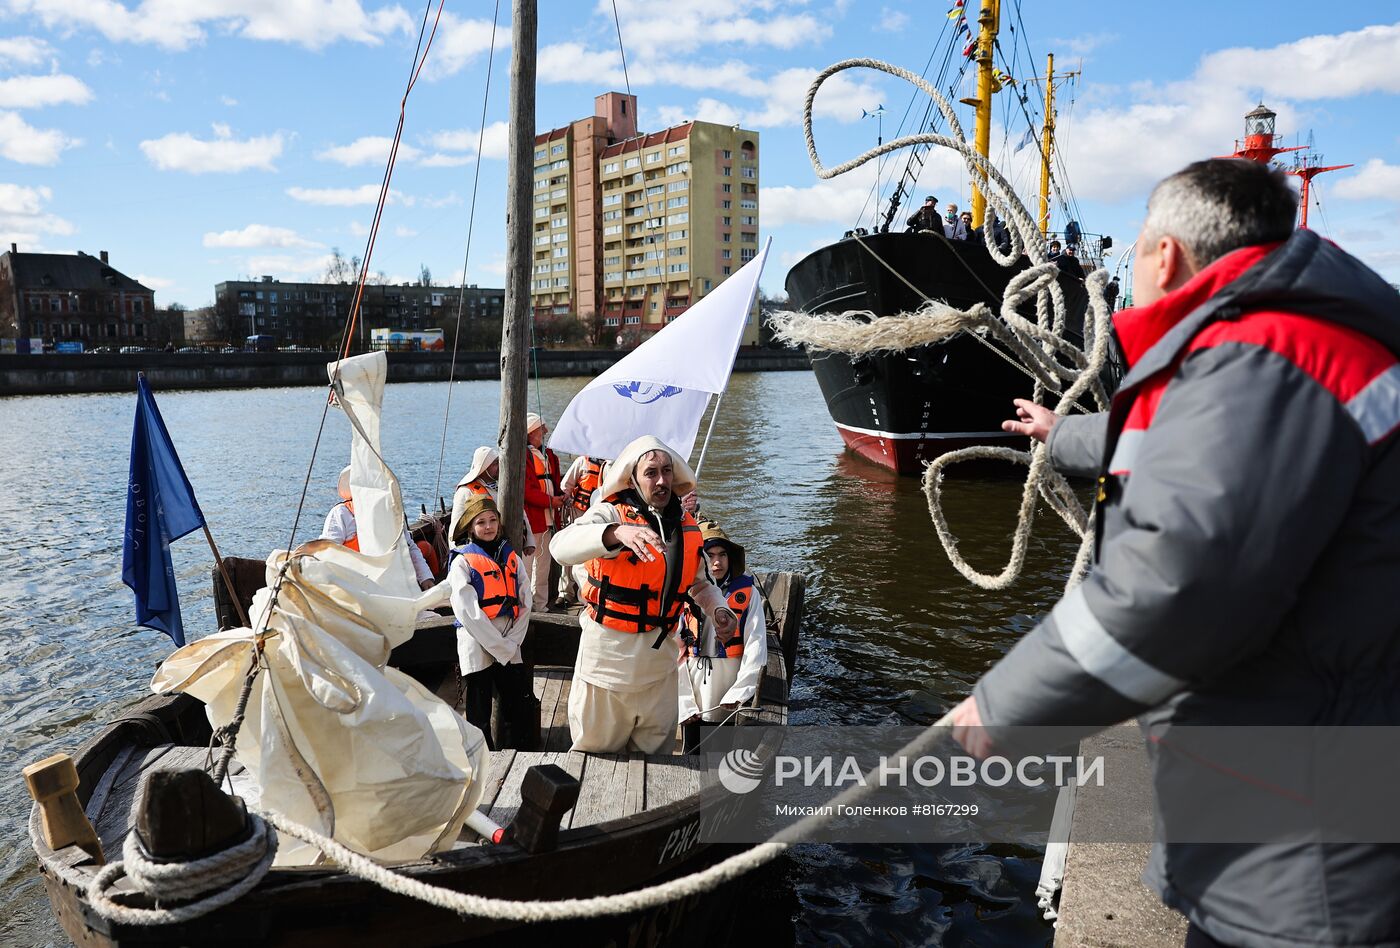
(630, 229)
(60, 297)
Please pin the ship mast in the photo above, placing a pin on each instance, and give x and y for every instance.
(989, 21)
(1047, 144)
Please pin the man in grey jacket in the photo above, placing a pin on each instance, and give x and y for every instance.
(1248, 542)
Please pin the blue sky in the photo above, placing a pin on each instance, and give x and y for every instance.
(204, 140)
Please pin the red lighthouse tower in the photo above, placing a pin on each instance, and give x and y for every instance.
(1261, 144)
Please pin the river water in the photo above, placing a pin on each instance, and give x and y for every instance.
(893, 634)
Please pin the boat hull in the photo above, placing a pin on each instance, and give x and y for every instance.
(901, 410)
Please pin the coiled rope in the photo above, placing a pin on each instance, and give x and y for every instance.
(1037, 348)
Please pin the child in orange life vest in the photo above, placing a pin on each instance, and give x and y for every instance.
(340, 528)
(493, 615)
(722, 672)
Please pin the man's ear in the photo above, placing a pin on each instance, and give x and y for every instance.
(1174, 264)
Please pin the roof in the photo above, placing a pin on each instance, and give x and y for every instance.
(675, 133)
(66, 271)
(552, 134)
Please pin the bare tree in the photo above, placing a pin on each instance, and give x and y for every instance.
(425, 276)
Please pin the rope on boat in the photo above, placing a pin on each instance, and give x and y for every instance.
(1039, 348)
(226, 876)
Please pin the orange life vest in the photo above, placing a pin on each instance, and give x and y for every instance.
(353, 540)
(740, 599)
(588, 481)
(497, 586)
(476, 487)
(628, 595)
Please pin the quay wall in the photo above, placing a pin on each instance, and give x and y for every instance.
(56, 374)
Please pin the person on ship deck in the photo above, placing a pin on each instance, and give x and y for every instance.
(926, 217)
(642, 553)
(544, 502)
(481, 480)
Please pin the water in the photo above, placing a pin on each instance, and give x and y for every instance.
(893, 635)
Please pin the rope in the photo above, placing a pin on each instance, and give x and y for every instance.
(467, 253)
(1038, 348)
(240, 868)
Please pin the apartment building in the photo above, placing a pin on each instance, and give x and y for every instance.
(62, 297)
(632, 228)
(314, 313)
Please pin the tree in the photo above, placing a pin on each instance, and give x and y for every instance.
(425, 276)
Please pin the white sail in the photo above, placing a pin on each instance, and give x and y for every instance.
(661, 387)
(334, 738)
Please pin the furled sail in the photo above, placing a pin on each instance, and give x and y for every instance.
(333, 738)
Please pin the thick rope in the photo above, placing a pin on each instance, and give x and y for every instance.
(228, 874)
(1037, 347)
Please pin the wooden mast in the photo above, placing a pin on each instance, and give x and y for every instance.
(988, 20)
(515, 327)
(1047, 144)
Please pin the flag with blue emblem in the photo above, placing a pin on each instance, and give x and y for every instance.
(160, 508)
(661, 387)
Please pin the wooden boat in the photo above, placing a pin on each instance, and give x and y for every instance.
(637, 820)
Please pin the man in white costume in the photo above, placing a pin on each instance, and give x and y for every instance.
(340, 528)
(722, 673)
(481, 480)
(642, 553)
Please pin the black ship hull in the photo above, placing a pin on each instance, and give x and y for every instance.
(905, 409)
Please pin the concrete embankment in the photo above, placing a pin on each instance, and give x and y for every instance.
(1104, 902)
(116, 372)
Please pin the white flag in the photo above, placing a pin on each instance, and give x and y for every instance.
(661, 387)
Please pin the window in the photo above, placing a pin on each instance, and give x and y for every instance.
(678, 218)
(559, 222)
(556, 165)
(541, 212)
(561, 265)
(633, 320)
(612, 261)
(748, 172)
(725, 237)
(748, 189)
(724, 270)
(727, 188)
(561, 251)
(540, 154)
(726, 255)
(138, 307)
(749, 204)
(610, 167)
(653, 158)
(678, 202)
(611, 321)
(35, 305)
(632, 163)
(726, 171)
(656, 189)
(677, 235)
(676, 152)
(748, 219)
(747, 254)
(728, 204)
(678, 186)
(676, 251)
(679, 167)
(748, 237)
(612, 215)
(542, 184)
(557, 149)
(613, 229)
(728, 154)
(112, 330)
(610, 199)
(726, 222)
(53, 304)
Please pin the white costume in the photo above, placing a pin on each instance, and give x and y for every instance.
(713, 680)
(624, 691)
(482, 459)
(481, 640)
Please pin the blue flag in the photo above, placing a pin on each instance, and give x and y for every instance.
(1026, 139)
(160, 508)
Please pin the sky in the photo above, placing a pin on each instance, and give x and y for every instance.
(205, 140)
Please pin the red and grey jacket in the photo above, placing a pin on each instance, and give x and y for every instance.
(1248, 547)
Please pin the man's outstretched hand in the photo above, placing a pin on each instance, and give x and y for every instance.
(1032, 420)
(968, 730)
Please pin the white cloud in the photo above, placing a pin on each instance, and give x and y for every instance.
(24, 51)
(840, 98)
(444, 160)
(181, 151)
(663, 30)
(1082, 45)
(285, 266)
(460, 41)
(369, 150)
(178, 25)
(257, 235)
(892, 21)
(154, 282)
(1315, 67)
(402, 231)
(458, 146)
(571, 62)
(22, 142)
(228, 100)
(24, 218)
(358, 230)
(1376, 181)
(35, 92)
(345, 197)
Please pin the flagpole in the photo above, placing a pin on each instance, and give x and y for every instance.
(708, 431)
(228, 580)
